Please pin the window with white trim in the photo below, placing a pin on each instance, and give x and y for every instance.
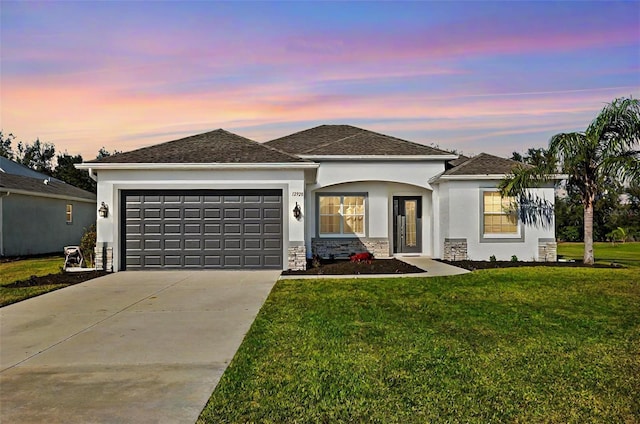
(341, 215)
(499, 218)
(69, 214)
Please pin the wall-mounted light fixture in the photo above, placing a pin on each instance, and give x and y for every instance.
(103, 211)
(297, 212)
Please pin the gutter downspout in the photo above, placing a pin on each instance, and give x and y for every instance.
(92, 175)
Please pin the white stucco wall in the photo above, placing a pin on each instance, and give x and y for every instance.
(381, 181)
(112, 182)
(459, 210)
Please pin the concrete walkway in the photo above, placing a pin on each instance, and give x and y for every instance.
(433, 268)
(131, 347)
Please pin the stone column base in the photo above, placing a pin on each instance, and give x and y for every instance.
(455, 249)
(297, 256)
(547, 250)
(104, 258)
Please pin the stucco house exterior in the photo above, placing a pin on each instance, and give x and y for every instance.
(219, 200)
(40, 214)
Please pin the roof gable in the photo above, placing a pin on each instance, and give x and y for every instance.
(346, 140)
(218, 146)
(485, 164)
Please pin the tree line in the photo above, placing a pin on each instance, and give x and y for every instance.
(41, 156)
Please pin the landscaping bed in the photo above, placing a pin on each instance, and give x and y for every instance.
(346, 267)
(63, 278)
(475, 265)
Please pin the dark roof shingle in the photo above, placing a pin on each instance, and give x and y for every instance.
(36, 185)
(484, 164)
(328, 140)
(218, 146)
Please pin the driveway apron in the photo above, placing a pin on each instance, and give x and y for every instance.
(131, 347)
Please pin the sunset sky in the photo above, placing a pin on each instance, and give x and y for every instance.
(480, 76)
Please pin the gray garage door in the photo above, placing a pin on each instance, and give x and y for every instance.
(202, 229)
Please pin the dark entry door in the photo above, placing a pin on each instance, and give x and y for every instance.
(407, 230)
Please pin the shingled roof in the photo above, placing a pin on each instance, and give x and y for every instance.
(484, 164)
(217, 146)
(9, 182)
(346, 140)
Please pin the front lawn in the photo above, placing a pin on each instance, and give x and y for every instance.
(25, 278)
(505, 345)
(605, 253)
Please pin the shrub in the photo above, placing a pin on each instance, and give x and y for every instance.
(492, 258)
(514, 258)
(88, 244)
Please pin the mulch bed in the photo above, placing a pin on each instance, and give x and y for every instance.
(474, 265)
(67, 279)
(346, 267)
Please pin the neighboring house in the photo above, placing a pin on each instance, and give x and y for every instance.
(40, 214)
(219, 200)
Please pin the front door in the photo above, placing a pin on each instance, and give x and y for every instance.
(407, 229)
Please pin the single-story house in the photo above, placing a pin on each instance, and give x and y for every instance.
(40, 214)
(219, 200)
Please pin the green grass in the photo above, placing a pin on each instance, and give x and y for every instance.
(507, 345)
(627, 254)
(22, 270)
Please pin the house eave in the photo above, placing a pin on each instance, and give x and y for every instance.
(381, 158)
(476, 177)
(10, 191)
(193, 166)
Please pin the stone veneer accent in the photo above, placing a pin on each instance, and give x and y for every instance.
(104, 258)
(455, 249)
(547, 250)
(343, 247)
(297, 253)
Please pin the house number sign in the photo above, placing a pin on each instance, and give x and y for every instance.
(297, 194)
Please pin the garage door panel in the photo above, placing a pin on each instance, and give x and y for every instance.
(270, 213)
(272, 260)
(272, 244)
(271, 229)
(232, 229)
(192, 244)
(172, 244)
(152, 260)
(152, 244)
(193, 228)
(168, 228)
(202, 229)
(151, 213)
(192, 213)
(172, 213)
(251, 213)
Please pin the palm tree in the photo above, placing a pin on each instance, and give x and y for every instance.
(607, 148)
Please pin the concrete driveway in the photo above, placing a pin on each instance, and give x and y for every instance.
(131, 347)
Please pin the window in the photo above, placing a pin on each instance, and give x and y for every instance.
(499, 219)
(341, 215)
(69, 214)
